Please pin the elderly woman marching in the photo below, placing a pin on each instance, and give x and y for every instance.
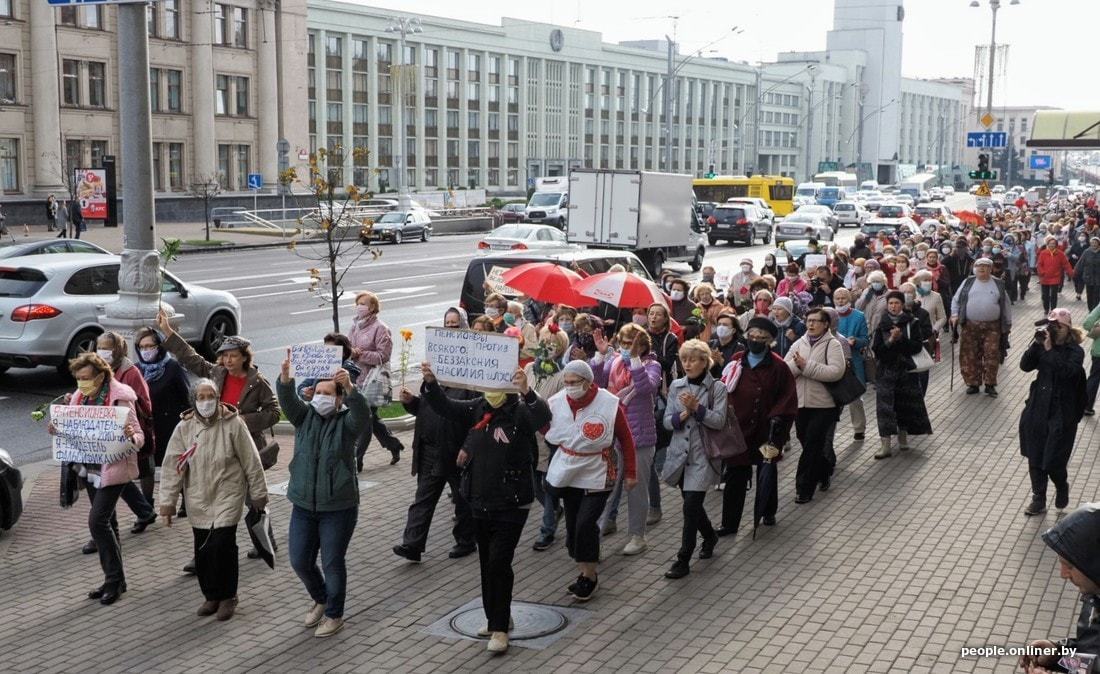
(816, 359)
(899, 403)
(1055, 405)
(95, 385)
(694, 401)
(587, 423)
(212, 460)
(852, 326)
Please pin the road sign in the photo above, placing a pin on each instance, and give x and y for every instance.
(283, 146)
(983, 190)
(987, 120)
(255, 181)
(987, 139)
(1040, 162)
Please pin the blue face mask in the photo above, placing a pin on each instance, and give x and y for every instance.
(877, 286)
(625, 353)
(996, 250)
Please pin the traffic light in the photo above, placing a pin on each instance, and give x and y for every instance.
(983, 162)
(983, 172)
(710, 173)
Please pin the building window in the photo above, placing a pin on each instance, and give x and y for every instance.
(158, 180)
(473, 149)
(9, 164)
(74, 156)
(452, 149)
(70, 82)
(221, 95)
(359, 57)
(151, 18)
(243, 152)
(240, 27)
(171, 19)
(93, 17)
(5, 8)
(221, 23)
(97, 84)
(452, 119)
(7, 78)
(223, 165)
(242, 96)
(474, 120)
(175, 90)
(473, 67)
(99, 150)
(474, 177)
(385, 52)
(68, 15)
(175, 166)
(154, 89)
(385, 114)
(431, 62)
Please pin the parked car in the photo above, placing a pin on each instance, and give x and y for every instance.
(903, 227)
(399, 226)
(50, 307)
(825, 212)
(510, 213)
(760, 204)
(895, 210)
(850, 213)
(906, 199)
(47, 246)
(738, 223)
(523, 237)
(799, 225)
(11, 492)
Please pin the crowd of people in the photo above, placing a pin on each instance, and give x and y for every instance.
(694, 391)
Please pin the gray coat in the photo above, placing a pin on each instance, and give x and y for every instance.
(1088, 267)
(686, 459)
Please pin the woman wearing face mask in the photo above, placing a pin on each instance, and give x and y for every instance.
(930, 301)
(790, 326)
(587, 423)
(792, 282)
(633, 374)
(371, 347)
(1088, 271)
(212, 461)
(545, 375)
(1052, 266)
(923, 320)
(899, 402)
(770, 266)
(95, 385)
(666, 347)
(873, 301)
(761, 308)
(168, 387)
(851, 326)
(711, 308)
(583, 344)
(1076, 249)
(681, 304)
(738, 293)
(727, 340)
(694, 401)
(902, 272)
(855, 272)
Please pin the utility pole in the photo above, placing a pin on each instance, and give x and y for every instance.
(756, 120)
(994, 5)
(810, 122)
(402, 80)
(1010, 152)
(666, 102)
(859, 132)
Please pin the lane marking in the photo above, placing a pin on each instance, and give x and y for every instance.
(367, 265)
(351, 306)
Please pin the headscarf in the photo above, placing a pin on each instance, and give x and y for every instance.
(152, 371)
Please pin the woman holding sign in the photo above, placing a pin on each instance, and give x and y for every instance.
(96, 385)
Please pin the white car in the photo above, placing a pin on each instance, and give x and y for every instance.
(936, 193)
(523, 236)
(894, 210)
(850, 213)
(906, 199)
(948, 189)
(998, 189)
(825, 212)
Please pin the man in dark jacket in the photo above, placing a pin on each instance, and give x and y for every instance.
(959, 266)
(1088, 271)
(859, 249)
(1076, 539)
(822, 287)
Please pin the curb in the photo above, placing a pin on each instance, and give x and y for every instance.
(284, 243)
(404, 422)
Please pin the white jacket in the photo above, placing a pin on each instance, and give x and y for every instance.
(824, 363)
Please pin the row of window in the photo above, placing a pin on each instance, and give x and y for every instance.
(163, 20)
(334, 51)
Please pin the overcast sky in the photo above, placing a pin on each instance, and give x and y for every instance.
(1052, 42)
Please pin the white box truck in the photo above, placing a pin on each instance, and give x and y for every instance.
(651, 214)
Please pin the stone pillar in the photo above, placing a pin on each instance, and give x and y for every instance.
(204, 148)
(49, 159)
(267, 112)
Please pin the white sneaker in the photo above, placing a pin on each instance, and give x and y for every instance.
(498, 643)
(314, 616)
(635, 546)
(328, 627)
(485, 631)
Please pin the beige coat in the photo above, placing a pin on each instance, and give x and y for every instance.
(824, 363)
(224, 467)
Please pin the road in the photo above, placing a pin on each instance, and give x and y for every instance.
(416, 283)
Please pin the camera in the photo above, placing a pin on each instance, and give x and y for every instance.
(1043, 329)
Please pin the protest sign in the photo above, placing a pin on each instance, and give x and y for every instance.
(495, 279)
(479, 361)
(89, 433)
(315, 361)
(813, 261)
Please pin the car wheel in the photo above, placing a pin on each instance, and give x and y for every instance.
(425, 234)
(658, 263)
(768, 237)
(219, 327)
(712, 241)
(697, 261)
(752, 237)
(397, 238)
(84, 342)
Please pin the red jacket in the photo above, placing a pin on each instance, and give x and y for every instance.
(1050, 266)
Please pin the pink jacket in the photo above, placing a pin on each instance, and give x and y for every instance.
(129, 374)
(373, 339)
(786, 287)
(120, 472)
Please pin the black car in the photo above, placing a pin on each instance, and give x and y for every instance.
(11, 492)
(738, 223)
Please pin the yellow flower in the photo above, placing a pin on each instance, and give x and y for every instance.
(406, 334)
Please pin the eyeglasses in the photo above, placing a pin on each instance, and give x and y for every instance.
(814, 320)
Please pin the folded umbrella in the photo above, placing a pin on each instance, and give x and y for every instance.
(621, 289)
(546, 282)
(767, 477)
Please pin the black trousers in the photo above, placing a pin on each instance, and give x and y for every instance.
(1023, 280)
(695, 522)
(1092, 296)
(216, 562)
(497, 539)
(104, 530)
(733, 497)
(582, 512)
(1078, 284)
(1039, 477)
(1050, 297)
(813, 426)
(379, 430)
(428, 490)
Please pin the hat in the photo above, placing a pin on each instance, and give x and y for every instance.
(1075, 538)
(580, 369)
(1060, 315)
(983, 260)
(784, 303)
(463, 320)
(764, 324)
(745, 260)
(233, 343)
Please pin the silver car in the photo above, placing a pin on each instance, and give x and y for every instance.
(803, 226)
(523, 236)
(850, 213)
(50, 304)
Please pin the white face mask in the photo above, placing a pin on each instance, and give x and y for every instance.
(575, 391)
(677, 295)
(324, 404)
(106, 354)
(492, 312)
(724, 331)
(206, 408)
(148, 355)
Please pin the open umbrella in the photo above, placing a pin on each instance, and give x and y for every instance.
(767, 477)
(621, 289)
(546, 282)
(971, 218)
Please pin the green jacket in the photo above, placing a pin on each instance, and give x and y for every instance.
(1090, 322)
(322, 472)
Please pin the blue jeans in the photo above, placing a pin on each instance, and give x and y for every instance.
(329, 534)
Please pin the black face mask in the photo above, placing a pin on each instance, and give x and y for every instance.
(757, 347)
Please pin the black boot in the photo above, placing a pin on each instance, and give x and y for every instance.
(679, 569)
(1038, 506)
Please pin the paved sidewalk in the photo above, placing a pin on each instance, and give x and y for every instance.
(111, 237)
(899, 566)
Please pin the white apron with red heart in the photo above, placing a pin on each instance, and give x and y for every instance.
(584, 458)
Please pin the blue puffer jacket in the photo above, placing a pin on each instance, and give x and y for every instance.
(854, 325)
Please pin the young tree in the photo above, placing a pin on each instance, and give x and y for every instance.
(206, 188)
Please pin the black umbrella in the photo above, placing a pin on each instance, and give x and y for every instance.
(767, 477)
(70, 487)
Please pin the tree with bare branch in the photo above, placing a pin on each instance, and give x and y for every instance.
(205, 188)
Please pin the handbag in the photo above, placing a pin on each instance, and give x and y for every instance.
(269, 453)
(727, 442)
(922, 361)
(848, 388)
(378, 389)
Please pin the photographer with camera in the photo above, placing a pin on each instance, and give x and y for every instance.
(824, 283)
(1055, 405)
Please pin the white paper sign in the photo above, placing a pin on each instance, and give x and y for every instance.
(497, 284)
(479, 361)
(315, 361)
(816, 260)
(89, 433)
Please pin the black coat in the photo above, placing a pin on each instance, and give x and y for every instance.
(1055, 404)
(436, 440)
(899, 404)
(170, 396)
(503, 451)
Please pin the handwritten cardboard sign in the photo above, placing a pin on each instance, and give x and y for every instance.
(815, 260)
(315, 361)
(478, 361)
(89, 433)
(496, 282)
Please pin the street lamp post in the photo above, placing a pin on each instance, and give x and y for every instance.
(994, 5)
(402, 77)
(755, 106)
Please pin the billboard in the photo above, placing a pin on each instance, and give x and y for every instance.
(91, 193)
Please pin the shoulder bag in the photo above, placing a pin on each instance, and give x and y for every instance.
(726, 442)
(922, 361)
(848, 388)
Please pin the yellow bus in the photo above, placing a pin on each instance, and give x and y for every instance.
(778, 191)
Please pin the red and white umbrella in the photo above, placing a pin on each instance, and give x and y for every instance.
(546, 282)
(621, 289)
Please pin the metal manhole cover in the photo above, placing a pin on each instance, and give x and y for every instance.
(531, 621)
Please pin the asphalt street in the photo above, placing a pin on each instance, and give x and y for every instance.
(415, 281)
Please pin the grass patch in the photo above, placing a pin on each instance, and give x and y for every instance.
(392, 411)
